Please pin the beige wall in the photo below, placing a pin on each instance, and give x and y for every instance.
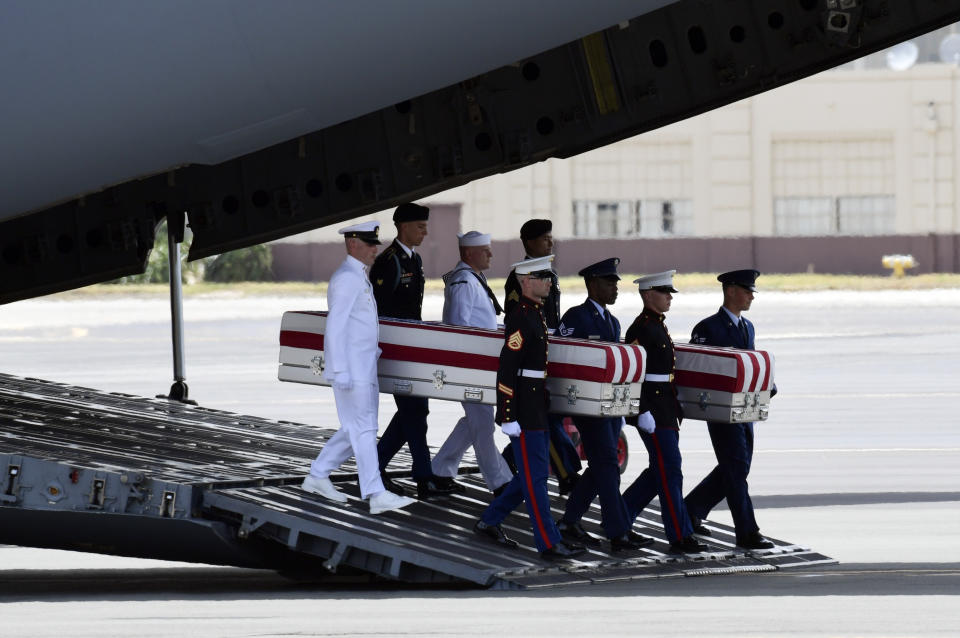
(840, 133)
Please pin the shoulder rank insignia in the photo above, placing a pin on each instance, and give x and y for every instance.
(379, 282)
(513, 296)
(564, 331)
(515, 342)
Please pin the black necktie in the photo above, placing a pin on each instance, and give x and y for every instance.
(493, 297)
(744, 333)
(609, 320)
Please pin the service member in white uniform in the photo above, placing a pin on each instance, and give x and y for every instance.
(351, 351)
(468, 301)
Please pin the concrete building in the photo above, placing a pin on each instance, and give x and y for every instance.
(827, 174)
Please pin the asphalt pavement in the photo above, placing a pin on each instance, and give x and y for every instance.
(859, 460)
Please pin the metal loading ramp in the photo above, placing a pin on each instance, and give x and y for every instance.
(433, 542)
(114, 473)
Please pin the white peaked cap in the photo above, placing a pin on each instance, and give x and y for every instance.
(657, 280)
(474, 238)
(363, 227)
(535, 264)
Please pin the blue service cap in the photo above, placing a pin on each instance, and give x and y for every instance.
(746, 278)
(605, 268)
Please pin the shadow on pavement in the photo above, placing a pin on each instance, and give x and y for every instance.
(857, 579)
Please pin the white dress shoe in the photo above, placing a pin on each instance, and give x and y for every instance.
(323, 487)
(386, 500)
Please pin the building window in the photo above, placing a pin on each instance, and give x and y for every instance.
(643, 218)
(850, 215)
(605, 219)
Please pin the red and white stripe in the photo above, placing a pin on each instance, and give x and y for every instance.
(476, 348)
(723, 369)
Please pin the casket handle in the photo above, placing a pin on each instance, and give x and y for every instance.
(316, 365)
(704, 399)
(572, 393)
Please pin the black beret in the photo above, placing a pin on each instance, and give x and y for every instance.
(410, 212)
(534, 228)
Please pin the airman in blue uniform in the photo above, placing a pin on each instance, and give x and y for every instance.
(593, 320)
(732, 442)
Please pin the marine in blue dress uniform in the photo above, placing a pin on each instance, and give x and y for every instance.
(537, 238)
(732, 442)
(397, 278)
(522, 402)
(659, 419)
(593, 320)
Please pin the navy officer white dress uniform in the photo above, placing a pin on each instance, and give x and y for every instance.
(522, 405)
(468, 301)
(732, 442)
(351, 351)
(659, 418)
(592, 320)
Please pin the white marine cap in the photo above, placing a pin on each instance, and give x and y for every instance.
(474, 238)
(534, 266)
(367, 231)
(662, 281)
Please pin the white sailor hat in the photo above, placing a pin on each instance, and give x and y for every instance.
(662, 281)
(367, 231)
(536, 266)
(474, 238)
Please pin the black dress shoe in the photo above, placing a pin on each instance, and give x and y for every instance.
(447, 483)
(574, 532)
(390, 485)
(698, 527)
(688, 545)
(428, 490)
(754, 540)
(563, 551)
(628, 541)
(494, 533)
(567, 484)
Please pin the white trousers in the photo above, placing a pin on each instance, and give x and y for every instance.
(357, 409)
(475, 428)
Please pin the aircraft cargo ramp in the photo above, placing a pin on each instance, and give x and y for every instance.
(113, 473)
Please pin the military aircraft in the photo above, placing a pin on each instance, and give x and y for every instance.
(252, 121)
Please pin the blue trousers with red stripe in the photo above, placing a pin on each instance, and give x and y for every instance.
(662, 477)
(529, 484)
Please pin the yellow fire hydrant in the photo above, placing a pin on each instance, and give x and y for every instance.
(898, 264)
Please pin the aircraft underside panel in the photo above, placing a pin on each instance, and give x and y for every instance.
(118, 474)
(678, 61)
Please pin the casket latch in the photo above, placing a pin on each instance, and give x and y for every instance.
(473, 394)
(439, 376)
(402, 386)
(316, 365)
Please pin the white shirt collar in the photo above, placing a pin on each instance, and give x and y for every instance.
(599, 307)
(734, 318)
(356, 264)
(406, 248)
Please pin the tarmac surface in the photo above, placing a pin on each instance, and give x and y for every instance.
(860, 460)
